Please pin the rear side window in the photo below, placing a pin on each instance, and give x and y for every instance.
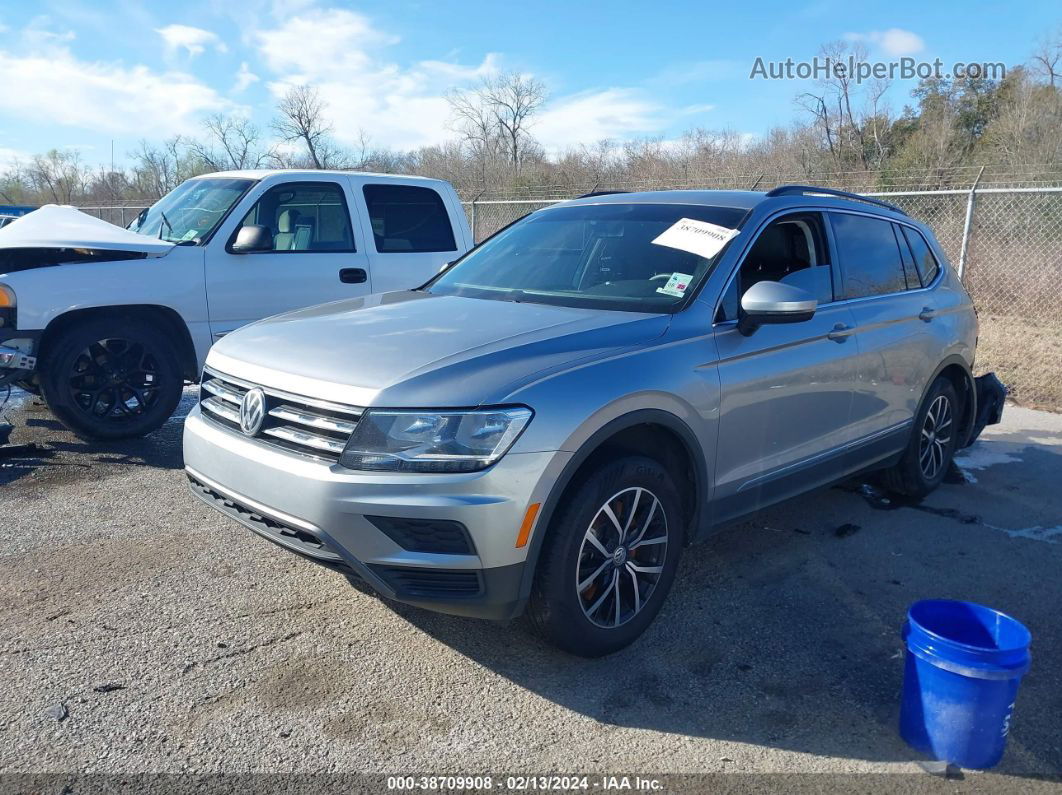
(869, 255)
(925, 262)
(408, 219)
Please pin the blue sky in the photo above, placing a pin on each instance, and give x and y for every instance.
(84, 74)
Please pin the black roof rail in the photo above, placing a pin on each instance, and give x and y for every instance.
(600, 193)
(800, 190)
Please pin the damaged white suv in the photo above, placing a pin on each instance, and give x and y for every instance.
(108, 323)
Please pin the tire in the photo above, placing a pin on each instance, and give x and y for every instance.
(112, 378)
(926, 460)
(585, 622)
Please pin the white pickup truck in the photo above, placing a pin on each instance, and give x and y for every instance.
(108, 324)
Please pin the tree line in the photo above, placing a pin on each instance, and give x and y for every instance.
(840, 127)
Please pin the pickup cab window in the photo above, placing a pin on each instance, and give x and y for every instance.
(304, 216)
(408, 219)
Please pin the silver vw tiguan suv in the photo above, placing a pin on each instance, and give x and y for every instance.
(550, 422)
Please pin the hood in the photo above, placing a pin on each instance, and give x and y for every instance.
(61, 227)
(417, 350)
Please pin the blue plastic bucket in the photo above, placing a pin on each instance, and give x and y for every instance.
(963, 665)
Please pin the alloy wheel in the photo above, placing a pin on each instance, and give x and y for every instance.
(621, 558)
(936, 435)
(115, 379)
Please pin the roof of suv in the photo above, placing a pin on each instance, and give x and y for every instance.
(743, 199)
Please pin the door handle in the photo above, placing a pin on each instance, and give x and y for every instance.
(840, 333)
(353, 276)
(927, 314)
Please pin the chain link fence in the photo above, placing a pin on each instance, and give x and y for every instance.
(1005, 241)
(1007, 244)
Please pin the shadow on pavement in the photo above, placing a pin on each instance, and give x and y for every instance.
(57, 453)
(784, 631)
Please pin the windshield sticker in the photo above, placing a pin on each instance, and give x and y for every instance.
(191, 233)
(676, 285)
(696, 237)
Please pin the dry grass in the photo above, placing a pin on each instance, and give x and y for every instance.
(1026, 355)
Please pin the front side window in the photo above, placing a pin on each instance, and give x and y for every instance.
(869, 255)
(304, 216)
(407, 219)
(604, 256)
(791, 250)
(924, 261)
(192, 211)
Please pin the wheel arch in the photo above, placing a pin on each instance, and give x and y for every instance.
(167, 317)
(676, 445)
(957, 370)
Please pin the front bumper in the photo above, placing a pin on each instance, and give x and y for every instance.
(346, 520)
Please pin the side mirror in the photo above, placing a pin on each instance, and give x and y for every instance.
(252, 238)
(774, 302)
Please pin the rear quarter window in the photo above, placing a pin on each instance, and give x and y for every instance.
(408, 219)
(925, 262)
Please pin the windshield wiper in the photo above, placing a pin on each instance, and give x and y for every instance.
(139, 220)
(167, 222)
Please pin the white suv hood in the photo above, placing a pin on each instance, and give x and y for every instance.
(55, 226)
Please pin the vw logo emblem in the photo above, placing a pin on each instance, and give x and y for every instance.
(252, 411)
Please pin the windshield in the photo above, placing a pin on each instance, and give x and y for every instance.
(630, 257)
(191, 211)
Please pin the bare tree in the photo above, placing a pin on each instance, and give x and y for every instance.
(494, 117)
(514, 98)
(845, 126)
(232, 143)
(473, 119)
(302, 118)
(59, 175)
(159, 169)
(1047, 58)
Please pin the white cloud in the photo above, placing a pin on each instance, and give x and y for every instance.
(894, 42)
(194, 40)
(405, 106)
(57, 88)
(244, 78)
(402, 106)
(8, 157)
(591, 116)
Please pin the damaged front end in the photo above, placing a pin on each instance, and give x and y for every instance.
(991, 396)
(13, 260)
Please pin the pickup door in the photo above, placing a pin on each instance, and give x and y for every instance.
(327, 245)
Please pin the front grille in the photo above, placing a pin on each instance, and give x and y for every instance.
(315, 428)
(430, 583)
(293, 538)
(436, 536)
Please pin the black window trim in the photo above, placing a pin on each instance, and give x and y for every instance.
(442, 202)
(929, 247)
(300, 183)
(827, 230)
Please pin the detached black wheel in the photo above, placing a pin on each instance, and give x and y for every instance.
(112, 379)
(609, 558)
(934, 439)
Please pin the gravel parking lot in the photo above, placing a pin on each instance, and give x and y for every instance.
(174, 640)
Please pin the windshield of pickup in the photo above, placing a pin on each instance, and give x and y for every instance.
(191, 211)
(628, 257)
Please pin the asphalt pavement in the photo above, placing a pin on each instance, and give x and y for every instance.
(142, 632)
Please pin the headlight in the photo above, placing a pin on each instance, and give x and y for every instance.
(433, 441)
